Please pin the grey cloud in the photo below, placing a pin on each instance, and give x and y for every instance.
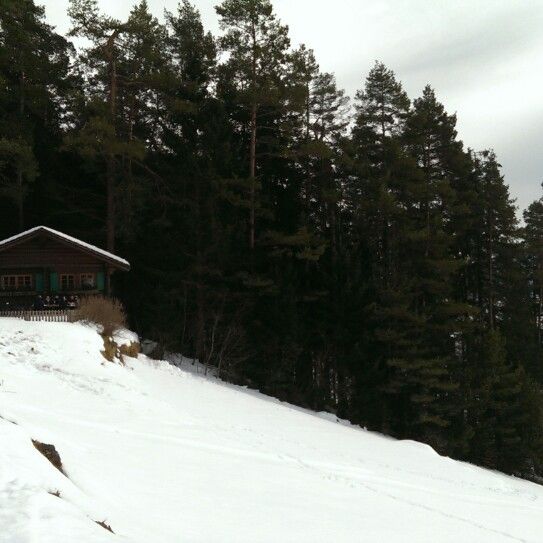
(476, 47)
(519, 152)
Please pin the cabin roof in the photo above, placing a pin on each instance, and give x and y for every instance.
(65, 238)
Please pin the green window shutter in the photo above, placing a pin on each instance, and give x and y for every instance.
(100, 281)
(53, 279)
(38, 278)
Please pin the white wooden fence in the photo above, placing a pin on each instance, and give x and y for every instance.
(53, 315)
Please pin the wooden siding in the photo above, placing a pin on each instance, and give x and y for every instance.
(45, 253)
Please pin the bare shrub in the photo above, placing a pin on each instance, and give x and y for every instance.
(106, 312)
(131, 349)
(111, 349)
(224, 341)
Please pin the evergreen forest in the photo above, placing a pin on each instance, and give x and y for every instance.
(345, 254)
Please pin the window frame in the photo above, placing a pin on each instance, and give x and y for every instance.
(17, 282)
(68, 287)
(87, 275)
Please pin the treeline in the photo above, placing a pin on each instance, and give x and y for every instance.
(348, 257)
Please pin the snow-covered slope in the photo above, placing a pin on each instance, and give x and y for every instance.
(164, 455)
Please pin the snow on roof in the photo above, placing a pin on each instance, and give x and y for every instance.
(70, 239)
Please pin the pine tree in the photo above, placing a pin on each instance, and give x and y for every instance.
(324, 122)
(533, 240)
(426, 374)
(257, 44)
(104, 132)
(497, 229)
(504, 408)
(34, 65)
(315, 245)
(381, 112)
(197, 136)
(376, 171)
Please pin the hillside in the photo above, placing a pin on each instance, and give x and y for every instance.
(165, 455)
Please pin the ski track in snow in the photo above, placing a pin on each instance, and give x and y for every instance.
(164, 455)
(353, 482)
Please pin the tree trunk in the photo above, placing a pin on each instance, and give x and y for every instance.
(252, 177)
(110, 212)
(307, 191)
(20, 180)
(200, 325)
(428, 183)
(252, 150)
(539, 313)
(490, 281)
(20, 198)
(110, 167)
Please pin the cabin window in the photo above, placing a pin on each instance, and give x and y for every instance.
(16, 282)
(67, 281)
(88, 281)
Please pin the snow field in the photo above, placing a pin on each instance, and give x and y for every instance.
(164, 455)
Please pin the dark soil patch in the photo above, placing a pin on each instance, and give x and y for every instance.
(104, 525)
(50, 453)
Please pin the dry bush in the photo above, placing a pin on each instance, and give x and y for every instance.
(111, 350)
(106, 312)
(131, 349)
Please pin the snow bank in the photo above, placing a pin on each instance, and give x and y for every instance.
(125, 337)
(30, 509)
(166, 455)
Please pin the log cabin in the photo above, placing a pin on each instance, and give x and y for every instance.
(44, 261)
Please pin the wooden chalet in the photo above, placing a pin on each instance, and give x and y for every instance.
(43, 261)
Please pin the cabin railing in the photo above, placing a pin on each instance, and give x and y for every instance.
(52, 315)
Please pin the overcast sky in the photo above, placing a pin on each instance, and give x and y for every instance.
(483, 57)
